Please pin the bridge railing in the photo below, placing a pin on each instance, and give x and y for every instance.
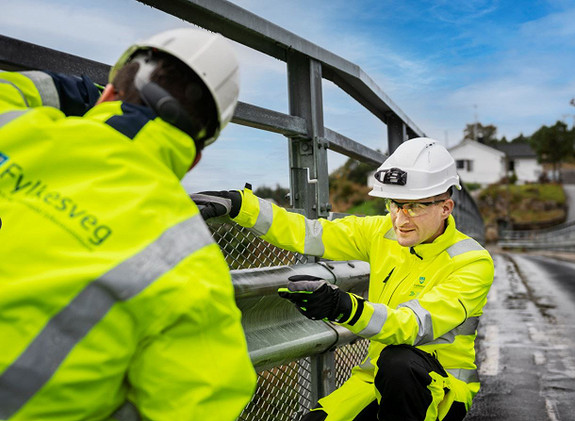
(298, 360)
(558, 238)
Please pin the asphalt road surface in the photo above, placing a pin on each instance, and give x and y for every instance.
(526, 349)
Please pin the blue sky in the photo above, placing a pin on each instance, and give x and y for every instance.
(444, 62)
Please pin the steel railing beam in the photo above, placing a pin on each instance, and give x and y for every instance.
(20, 55)
(253, 31)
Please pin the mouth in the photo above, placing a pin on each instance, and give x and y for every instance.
(405, 230)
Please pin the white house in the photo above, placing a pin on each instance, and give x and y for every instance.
(482, 164)
(479, 163)
(522, 160)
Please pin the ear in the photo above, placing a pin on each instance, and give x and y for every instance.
(196, 160)
(447, 208)
(109, 94)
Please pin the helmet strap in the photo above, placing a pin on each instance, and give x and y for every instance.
(164, 105)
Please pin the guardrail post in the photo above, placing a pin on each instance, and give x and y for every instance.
(323, 375)
(308, 155)
(396, 132)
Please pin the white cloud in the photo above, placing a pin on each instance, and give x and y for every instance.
(241, 155)
(462, 12)
(76, 28)
(556, 27)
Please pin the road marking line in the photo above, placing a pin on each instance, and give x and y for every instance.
(551, 410)
(490, 365)
(539, 358)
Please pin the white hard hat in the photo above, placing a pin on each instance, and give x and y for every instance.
(419, 168)
(209, 55)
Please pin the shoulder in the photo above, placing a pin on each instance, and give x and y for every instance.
(465, 250)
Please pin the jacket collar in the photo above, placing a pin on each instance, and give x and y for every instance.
(171, 146)
(428, 250)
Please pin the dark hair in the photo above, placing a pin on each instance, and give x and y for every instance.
(180, 81)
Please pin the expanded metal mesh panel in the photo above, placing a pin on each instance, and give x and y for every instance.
(347, 357)
(243, 249)
(283, 393)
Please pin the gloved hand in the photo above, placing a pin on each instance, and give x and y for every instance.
(317, 299)
(218, 203)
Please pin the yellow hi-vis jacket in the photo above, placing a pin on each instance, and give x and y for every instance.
(429, 296)
(114, 300)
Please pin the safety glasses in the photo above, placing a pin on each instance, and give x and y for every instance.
(413, 209)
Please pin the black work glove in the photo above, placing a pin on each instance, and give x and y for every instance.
(218, 203)
(317, 299)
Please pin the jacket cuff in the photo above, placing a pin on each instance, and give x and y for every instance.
(371, 320)
(249, 210)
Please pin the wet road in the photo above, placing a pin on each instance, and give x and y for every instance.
(527, 341)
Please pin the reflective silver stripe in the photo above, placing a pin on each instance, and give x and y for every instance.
(36, 365)
(7, 82)
(6, 118)
(265, 218)
(464, 374)
(390, 234)
(376, 322)
(46, 87)
(463, 246)
(313, 241)
(425, 333)
(367, 365)
(127, 412)
(468, 327)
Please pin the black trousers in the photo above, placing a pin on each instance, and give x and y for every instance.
(402, 380)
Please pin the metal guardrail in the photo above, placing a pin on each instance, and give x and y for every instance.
(467, 216)
(558, 238)
(298, 360)
(277, 333)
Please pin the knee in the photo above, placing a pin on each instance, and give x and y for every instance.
(395, 360)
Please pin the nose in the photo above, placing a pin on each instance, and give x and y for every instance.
(401, 216)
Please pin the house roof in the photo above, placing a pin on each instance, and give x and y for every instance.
(516, 150)
(476, 144)
(511, 150)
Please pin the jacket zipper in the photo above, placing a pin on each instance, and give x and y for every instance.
(384, 282)
(406, 276)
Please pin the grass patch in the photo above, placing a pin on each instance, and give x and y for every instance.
(368, 208)
(524, 204)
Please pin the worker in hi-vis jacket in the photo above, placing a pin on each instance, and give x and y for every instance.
(115, 303)
(428, 286)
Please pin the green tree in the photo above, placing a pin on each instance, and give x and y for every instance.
(357, 171)
(484, 134)
(553, 145)
(520, 139)
(279, 194)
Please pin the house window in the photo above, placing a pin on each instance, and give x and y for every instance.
(511, 165)
(464, 164)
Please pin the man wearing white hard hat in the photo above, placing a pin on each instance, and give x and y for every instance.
(116, 303)
(428, 285)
